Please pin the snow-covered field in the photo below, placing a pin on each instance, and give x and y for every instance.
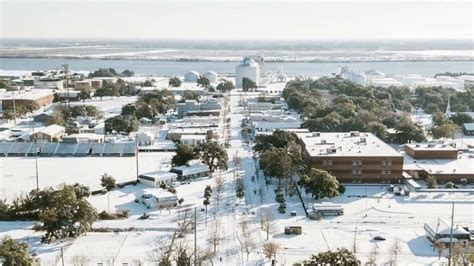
(18, 174)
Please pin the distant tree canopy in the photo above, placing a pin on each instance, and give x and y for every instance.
(341, 256)
(184, 154)
(22, 109)
(127, 73)
(278, 139)
(203, 82)
(320, 184)
(460, 119)
(190, 95)
(174, 82)
(248, 84)
(335, 104)
(225, 86)
(453, 74)
(433, 99)
(62, 212)
(104, 72)
(150, 104)
(120, 88)
(214, 155)
(63, 115)
(121, 124)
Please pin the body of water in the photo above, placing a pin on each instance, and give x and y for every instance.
(170, 68)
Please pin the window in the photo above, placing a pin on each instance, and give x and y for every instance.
(384, 162)
(354, 172)
(383, 171)
(389, 162)
(389, 172)
(359, 172)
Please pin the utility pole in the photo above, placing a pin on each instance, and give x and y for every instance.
(355, 236)
(37, 151)
(136, 154)
(14, 107)
(195, 237)
(451, 236)
(66, 73)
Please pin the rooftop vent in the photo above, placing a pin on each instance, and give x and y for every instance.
(354, 133)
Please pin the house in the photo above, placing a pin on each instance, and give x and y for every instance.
(49, 133)
(83, 138)
(193, 140)
(43, 117)
(440, 231)
(191, 171)
(159, 198)
(352, 156)
(204, 108)
(468, 129)
(158, 178)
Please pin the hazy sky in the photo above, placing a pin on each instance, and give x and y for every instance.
(262, 19)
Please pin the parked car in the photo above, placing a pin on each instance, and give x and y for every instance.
(379, 238)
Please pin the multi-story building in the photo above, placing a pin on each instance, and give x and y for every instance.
(352, 156)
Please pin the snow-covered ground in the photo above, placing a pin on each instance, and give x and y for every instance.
(368, 211)
(18, 174)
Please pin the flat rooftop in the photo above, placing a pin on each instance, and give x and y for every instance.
(461, 166)
(332, 144)
(26, 95)
(430, 147)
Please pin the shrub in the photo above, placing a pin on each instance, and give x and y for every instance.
(282, 208)
(449, 185)
(114, 216)
(172, 190)
(341, 189)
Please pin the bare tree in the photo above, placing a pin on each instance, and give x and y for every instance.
(395, 250)
(203, 256)
(80, 260)
(267, 222)
(138, 262)
(270, 249)
(439, 247)
(163, 250)
(219, 185)
(247, 242)
(372, 260)
(185, 221)
(461, 253)
(215, 237)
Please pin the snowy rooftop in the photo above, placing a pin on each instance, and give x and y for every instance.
(463, 165)
(160, 175)
(26, 95)
(346, 144)
(430, 147)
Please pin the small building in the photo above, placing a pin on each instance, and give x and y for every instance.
(468, 129)
(145, 138)
(441, 231)
(84, 138)
(211, 76)
(49, 133)
(191, 171)
(49, 83)
(159, 198)
(83, 85)
(431, 151)
(42, 118)
(158, 178)
(193, 140)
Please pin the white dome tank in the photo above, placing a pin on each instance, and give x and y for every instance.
(191, 76)
(211, 76)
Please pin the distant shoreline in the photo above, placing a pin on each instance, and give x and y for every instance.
(230, 60)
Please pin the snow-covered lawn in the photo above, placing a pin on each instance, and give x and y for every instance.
(18, 175)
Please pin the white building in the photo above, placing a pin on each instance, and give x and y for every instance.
(155, 179)
(191, 171)
(248, 68)
(193, 140)
(49, 83)
(159, 198)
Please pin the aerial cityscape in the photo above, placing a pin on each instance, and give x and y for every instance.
(138, 133)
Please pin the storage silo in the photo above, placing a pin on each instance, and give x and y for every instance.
(248, 68)
(191, 76)
(211, 76)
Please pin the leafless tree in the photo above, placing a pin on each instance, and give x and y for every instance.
(439, 247)
(80, 260)
(215, 237)
(372, 260)
(270, 249)
(185, 221)
(461, 253)
(219, 185)
(138, 262)
(162, 251)
(395, 250)
(267, 222)
(247, 242)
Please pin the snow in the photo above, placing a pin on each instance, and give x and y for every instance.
(369, 211)
(18, 174)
